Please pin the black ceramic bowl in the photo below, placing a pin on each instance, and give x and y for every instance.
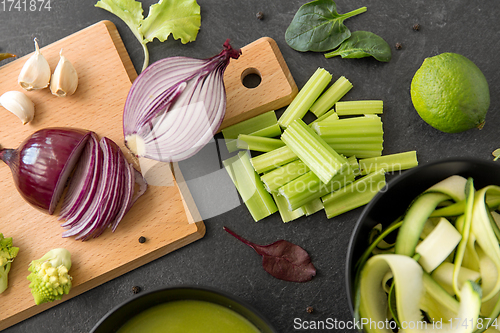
(389, 205)
(115, 319)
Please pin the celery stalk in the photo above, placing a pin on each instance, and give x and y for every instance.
(309, 187)
(362, 150)
(259, 202)
(258, 143)
(361, 153)
(332, 140)
(348, 130)
(330, 115)
(306, 97)
(338, 147)
(359, 136)
(286, 214)
(313, 151)
(351, 127)
(351, 108)
(390, 163)
(313, 206)
(273, 159)
(265, 125)
(331, 96)
(354, 195)
(280, 176)
(354, 165)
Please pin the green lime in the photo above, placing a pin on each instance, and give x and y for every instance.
(450, 93)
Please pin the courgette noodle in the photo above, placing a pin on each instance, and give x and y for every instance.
(442, 273)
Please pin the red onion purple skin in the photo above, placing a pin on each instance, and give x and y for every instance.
(39, 162)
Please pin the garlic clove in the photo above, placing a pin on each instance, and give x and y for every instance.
(65, 79)
(19, 104)
(35, 73)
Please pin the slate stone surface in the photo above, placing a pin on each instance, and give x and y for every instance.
(218, 260)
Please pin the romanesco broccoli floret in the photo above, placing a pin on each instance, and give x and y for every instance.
(49, 276)
(7, 255)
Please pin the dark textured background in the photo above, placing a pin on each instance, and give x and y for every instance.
(218, 260)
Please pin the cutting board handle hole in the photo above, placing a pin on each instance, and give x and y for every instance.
(251, 78)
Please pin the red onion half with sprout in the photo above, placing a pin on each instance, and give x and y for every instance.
(101, 186)
(176, 105)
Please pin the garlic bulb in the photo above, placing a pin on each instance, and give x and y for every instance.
(65, 79)
(19, 104)
(35, 73)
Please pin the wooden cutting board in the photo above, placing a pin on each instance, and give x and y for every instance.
(165, 215)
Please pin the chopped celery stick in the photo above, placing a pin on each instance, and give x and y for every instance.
(354, 195)
(280, 176)
(331, 140)
(367, 126)
(330, 115)
(313, 150)
(331, 96)
(286, 214)
(313, 206)
(352, 108)
(353, 164)
(362, 150)
(258, 201)
(273, 159)
(355, 146)
(308, 187)
(390, 163)
(306, 97)
(361, 153)
(268, 132)
(359, 136)
(265, 125)
(258, 143)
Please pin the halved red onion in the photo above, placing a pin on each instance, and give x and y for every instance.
(128, 194)
(92, 213)
(175, 106)
(117, 195)
(106, 196)
(141, 182)
(80, 181)
(134, 177)
(43, 162)
(102, 186)
(84, 205)
(109, 194)
(112, 198)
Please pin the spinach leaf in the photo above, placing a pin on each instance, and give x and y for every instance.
(363, 44)
(318, 27)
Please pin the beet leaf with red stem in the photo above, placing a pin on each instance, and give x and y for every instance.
(282, 259)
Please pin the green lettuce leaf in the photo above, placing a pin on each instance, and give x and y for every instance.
(181, 18)
(130, 11)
